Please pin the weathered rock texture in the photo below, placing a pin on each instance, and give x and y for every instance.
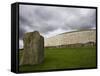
(33, 49)
(75, 37)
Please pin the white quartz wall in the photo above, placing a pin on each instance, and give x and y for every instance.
(72, 38)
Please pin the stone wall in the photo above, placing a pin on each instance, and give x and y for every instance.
(72, 38)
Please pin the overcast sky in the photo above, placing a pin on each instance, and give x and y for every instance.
(50, 21)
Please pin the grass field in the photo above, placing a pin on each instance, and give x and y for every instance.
(65, 58)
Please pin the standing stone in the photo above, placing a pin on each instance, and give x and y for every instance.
(33, 49)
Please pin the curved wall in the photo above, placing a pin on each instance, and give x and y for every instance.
(72, 38)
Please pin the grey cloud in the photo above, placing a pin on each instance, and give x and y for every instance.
(49, 19)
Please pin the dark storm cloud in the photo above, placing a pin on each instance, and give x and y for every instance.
(49, 19)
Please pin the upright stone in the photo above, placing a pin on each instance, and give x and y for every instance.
(33, 49)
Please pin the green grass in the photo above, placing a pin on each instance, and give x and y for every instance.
(65, 58)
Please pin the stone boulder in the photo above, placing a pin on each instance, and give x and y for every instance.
(33, 49)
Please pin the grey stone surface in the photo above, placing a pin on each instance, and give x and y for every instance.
(33, 52)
